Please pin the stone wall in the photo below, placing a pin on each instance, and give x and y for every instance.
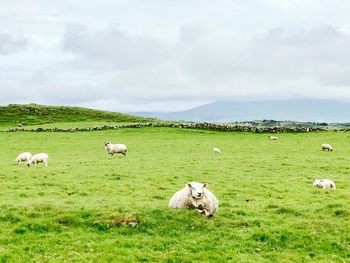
(204, 126)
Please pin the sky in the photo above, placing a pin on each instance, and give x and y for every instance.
(167, 55)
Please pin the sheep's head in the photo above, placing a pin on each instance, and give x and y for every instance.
(106, 143)
(29, 163)
(317, 182)
(197, 189)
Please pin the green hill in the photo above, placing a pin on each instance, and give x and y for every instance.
(34, 114)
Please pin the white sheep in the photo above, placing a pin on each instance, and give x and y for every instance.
(39, 158)
(324, 183)
(116, 148)
(216, 150)
(273, 138)
(195, 196)
(23, 157)
(327, 147)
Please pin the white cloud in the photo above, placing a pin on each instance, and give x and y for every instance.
(115, 48)
(172, 55)
(12, 43)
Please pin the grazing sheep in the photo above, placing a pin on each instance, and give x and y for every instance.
(324, 183)
(115, 148)
(273, 138)
(23, 157)
(39, 158)
(216, 150)
(195, 196)
(327, 147)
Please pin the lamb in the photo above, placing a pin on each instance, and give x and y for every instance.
(273, 138)
(324, 183)
(327, 147)
(115, 148)
(39, 158)
(216, 150)
(195, 196)
(25, 157)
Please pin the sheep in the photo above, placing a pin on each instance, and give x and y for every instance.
(25, 157)
(115, 148)
(327, 147)
(195, 196)
(39, 158)
(216, 150)
(273, 138)
(324, 183)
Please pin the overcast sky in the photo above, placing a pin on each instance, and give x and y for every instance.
(169, 55)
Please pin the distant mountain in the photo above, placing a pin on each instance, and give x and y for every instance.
(228, 111)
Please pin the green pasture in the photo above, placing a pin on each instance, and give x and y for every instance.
(87, 206)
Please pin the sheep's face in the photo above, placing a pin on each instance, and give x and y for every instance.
(30, 162)
(197, 189)
(317, 182)
(106, 143)
(216, 150)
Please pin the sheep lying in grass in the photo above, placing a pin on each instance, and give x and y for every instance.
(23, 157)
(273, 138)
(195, 196)
(39, 158)
(324, 183)
(327, 147)
(115, 148)
(216, 150)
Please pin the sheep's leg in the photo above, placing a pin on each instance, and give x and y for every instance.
(201, 211)
(204, 212)
(207, 214)
(124, 153)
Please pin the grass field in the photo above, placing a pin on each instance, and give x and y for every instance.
(78, 209)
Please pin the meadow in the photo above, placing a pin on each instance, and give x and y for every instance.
(90, 207)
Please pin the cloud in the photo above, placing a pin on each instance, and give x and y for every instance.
(219, 64)
(114, 68)
(172, 55)
(276, 61)
(45, 87)
(12, 43)
(115, 48)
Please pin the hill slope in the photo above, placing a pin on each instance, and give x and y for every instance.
(33, 114)
(294, 110)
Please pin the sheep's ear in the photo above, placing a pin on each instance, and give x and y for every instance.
(205, 185)
(189, 185)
